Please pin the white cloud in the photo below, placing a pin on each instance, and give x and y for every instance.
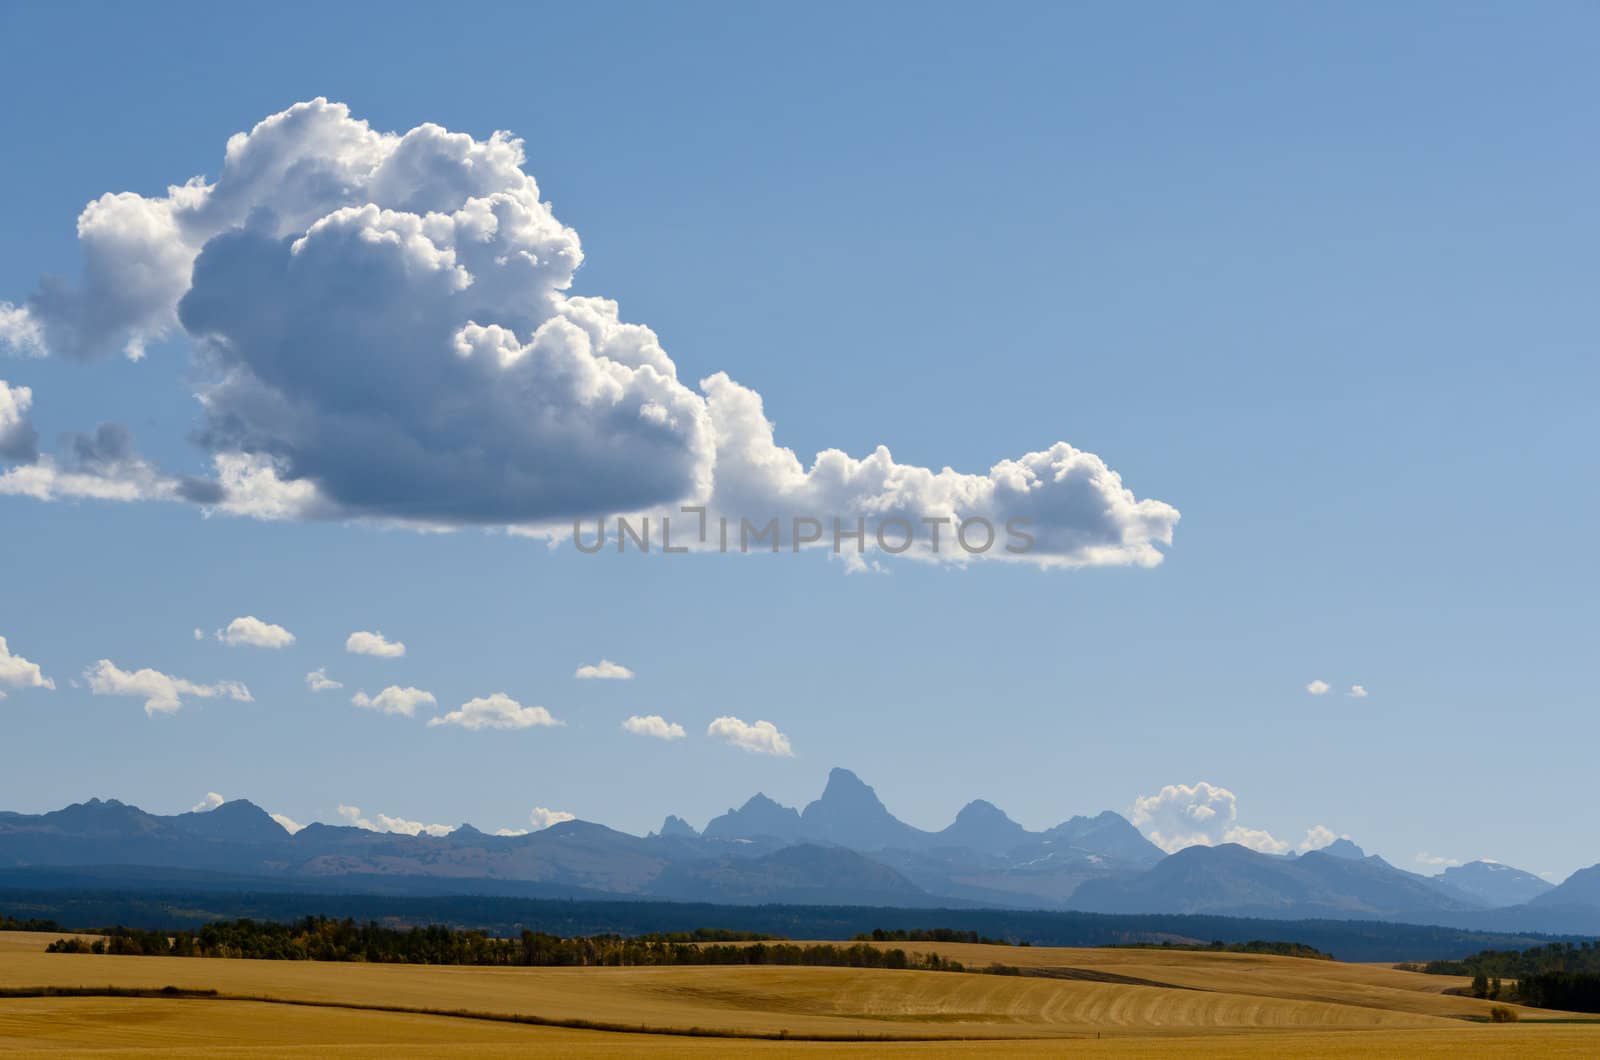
(319, 681)
(385, 823)
(103, 465)
(288, 824)
(199, 634)
(19, 672)
(653, 725)
(395, 700)
(1435, 861)
(19, 440)
(19, 331)
(249, 630)
(162, 694)
(1357, 692)
(541, 818)
(210, 802)
(761, 738)
(1183, 815)
(1318, 687)
(387, 333)
(604, 670)
(498, 711)
(364, 643)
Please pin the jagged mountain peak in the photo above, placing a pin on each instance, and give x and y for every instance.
(850, 814)
(677, 826)
(845, 786)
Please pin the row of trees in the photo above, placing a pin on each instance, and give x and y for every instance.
(1518, 964)
(324, 939)
(9, 923)
(1560, 975)
(931, 935)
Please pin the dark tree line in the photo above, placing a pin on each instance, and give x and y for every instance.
(9, 923)
(930, 935)
(1561, 975)
(324, 939)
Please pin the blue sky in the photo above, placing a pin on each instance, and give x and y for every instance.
(1321, 281)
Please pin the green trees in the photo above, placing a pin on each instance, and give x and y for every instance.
(323, 939)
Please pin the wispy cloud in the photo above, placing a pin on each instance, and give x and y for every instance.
(162, 693)
(319, 681)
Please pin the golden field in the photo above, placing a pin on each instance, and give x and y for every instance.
(1157, 1003)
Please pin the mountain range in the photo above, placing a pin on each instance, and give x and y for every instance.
(844, 848)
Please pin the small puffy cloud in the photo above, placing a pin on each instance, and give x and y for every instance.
(251, 631)
(288, 824)
(498, 711)
(395, 700)
(1318, 687)
(385, 823)
(604, 670)
(162, 693)
(541, 818)
(1184, 815)
(199, 634)
(19, 441)
(761, 738)
(387, 332)
(653, 725)
(19, 672)
(1357, 692)
(319, 681)
(1435, 861)
(363, 643)
(207, 804)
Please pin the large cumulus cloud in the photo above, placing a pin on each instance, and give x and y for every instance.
(386, 332)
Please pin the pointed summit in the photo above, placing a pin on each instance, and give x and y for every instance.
(1344, 848)
(850, 814)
